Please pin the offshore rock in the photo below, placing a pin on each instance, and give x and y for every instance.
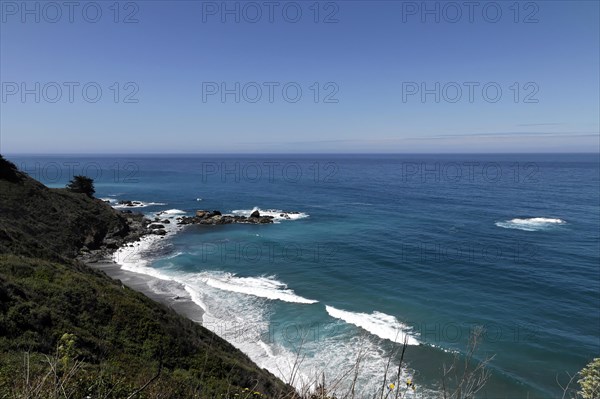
(217, 218)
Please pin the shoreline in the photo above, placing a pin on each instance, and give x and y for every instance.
(129, 264)
(118, 263)
(143, 283)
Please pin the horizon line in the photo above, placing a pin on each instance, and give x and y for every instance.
(302, 153)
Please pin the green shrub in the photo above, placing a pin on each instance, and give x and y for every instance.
(590, 380)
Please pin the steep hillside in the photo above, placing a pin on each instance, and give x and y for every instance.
(52, 223)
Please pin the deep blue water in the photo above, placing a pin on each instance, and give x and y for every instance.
(434, 244)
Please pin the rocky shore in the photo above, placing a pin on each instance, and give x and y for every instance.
(216, 217)
(135, 225)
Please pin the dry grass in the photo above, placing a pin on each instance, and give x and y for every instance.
(61, 378)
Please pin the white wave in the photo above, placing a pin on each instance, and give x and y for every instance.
(171, 212)
(263, 287)
(195, 296)
(341, 356)
(176, 254)
(243, 320)
(530, 224)
(377, 323)
(277, 214)
(137, 204)
(111, 201)
(168, 288)
(198, 199)
(134, 256)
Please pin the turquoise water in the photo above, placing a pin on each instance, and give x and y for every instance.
(385, 246)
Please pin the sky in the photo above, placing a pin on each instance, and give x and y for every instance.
(299, 76)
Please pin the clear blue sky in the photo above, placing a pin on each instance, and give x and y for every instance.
(377, 58)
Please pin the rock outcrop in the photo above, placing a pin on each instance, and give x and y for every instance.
(136, 226)
(53, 223)
(216, 218)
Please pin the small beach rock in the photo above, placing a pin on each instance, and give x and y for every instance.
(255, 214)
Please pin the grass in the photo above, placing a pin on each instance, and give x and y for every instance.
(113, 333)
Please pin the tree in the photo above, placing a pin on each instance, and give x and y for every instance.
(82, 184)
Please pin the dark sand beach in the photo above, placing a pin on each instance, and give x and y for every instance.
(143, 283)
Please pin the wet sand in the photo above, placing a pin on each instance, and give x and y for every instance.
(156, 289)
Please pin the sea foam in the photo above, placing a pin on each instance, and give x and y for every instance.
(277, 214)
(136, 204)
(171, 212)
(377, 323)
(133, 257)
(530, 224)
(263, 287)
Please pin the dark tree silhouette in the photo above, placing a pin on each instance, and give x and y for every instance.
(82, 184)
(8, 170)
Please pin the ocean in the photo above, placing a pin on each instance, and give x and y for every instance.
(369, 251)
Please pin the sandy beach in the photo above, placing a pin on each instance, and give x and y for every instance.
(153, 288)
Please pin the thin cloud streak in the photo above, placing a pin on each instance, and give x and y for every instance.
(439, 137)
